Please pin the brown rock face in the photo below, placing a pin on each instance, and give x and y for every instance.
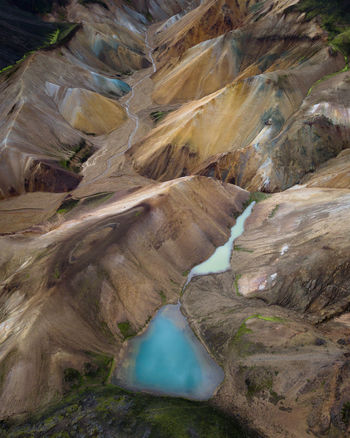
(48, 177)
(125, 157)
(114, 264)
(266, 113)
(333, 173)
(210, 19)
(266, 320)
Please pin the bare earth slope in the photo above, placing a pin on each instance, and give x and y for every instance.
(126, 153)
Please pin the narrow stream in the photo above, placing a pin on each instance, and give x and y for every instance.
(168, 358)
(131, 115)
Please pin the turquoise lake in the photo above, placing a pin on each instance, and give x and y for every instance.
(168, 358)
(220, 260)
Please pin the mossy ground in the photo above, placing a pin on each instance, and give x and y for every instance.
(79, 153)
(126, 329)
(157, 116)
(256, 197)
(113, 412)
(334, 15)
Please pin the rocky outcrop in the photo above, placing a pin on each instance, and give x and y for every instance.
(334, 173)
(115, 264)
(316, 133)
(273, 43)
(181, 144)
(269, 83)
(210, 19)
(269, 320)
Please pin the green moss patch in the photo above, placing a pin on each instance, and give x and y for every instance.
(243, 346)
(111, 411)
(345, 413)
(237, 277)
(62, 33)
(274, 211)
(157, 116)
(126, 329)
(240, 248)
(96, 370)
(67, 205)
(333, 15)
(256, 197)
(162, 297)
(342, 42)
(78, 155)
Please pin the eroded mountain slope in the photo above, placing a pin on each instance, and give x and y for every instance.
(266, 320)
(263, 74)
(115, 264)
(249, 93)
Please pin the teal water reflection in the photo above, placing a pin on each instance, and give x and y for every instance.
(169, 359)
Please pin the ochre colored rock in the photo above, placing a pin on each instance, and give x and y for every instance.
(88, 111)
(243, 119)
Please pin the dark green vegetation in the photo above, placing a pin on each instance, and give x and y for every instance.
(157, 116)
(67, 205)
(162, 297)
(256, 197)
(334, 17)
(243, 346)
(96, 371)
(21, 33)
(274, 211)
(108, 411)
(345, 413)
(79, 154)
(240, 248)
(126, 330)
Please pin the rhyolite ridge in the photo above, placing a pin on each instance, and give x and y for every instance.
(128, 149)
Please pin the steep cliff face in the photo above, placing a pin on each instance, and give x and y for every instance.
(127, 150)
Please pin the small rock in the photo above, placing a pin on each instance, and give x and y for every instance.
(320, 341)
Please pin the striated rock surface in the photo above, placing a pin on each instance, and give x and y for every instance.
(115, 264)
(87, 111)
(266, 320)
(260, 104)
(334, 173)
(126, 153)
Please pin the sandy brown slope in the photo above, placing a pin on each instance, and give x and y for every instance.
(42, 128)
(63, 293)
(254, 130)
